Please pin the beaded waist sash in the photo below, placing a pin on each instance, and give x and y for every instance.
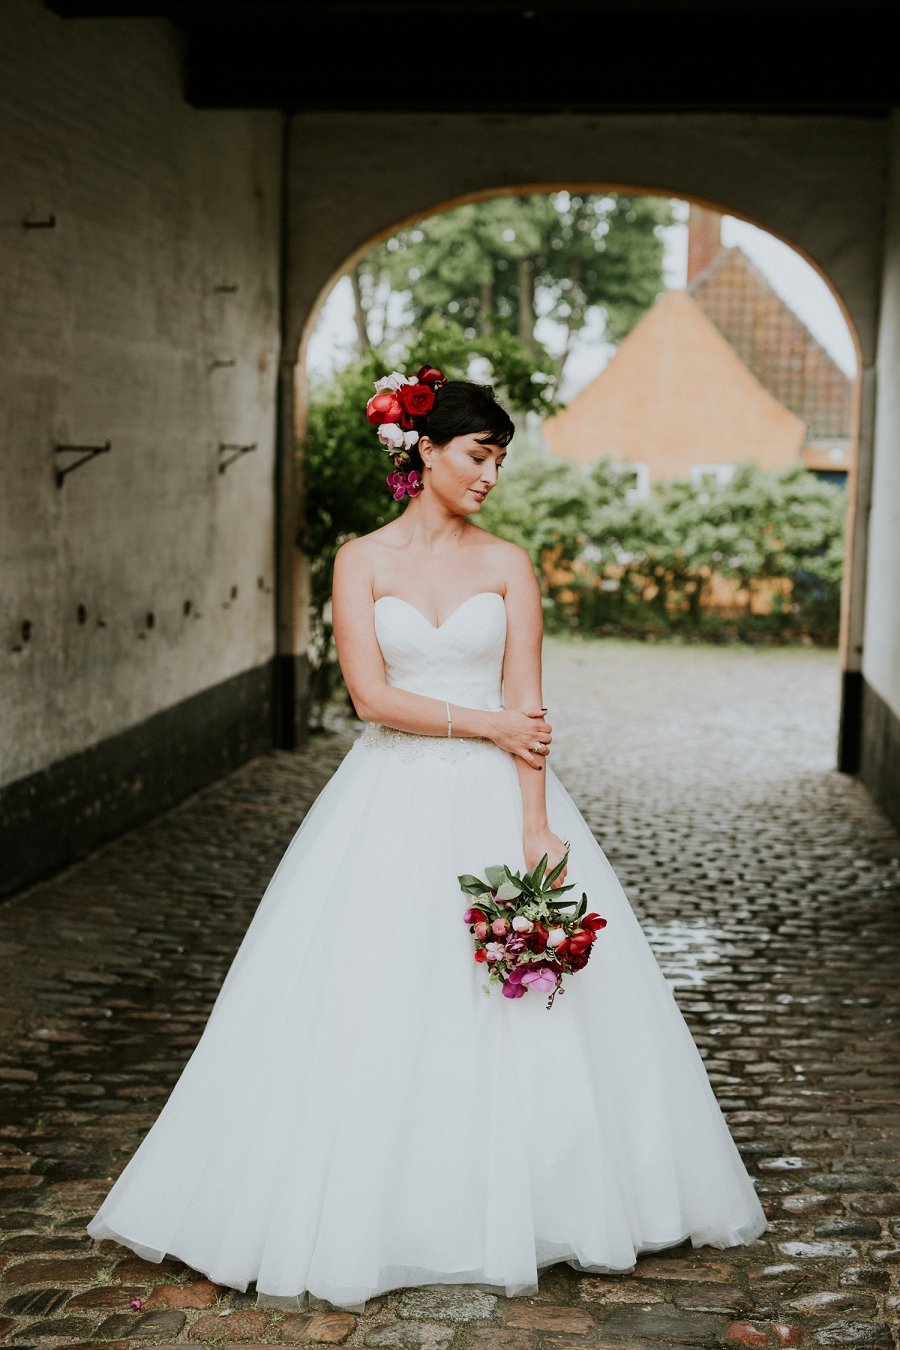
(408, 745)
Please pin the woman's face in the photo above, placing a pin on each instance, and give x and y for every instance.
(463, 471)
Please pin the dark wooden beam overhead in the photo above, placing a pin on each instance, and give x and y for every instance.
(777, 56)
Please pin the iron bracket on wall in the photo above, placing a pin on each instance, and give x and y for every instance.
(87, 452)
(240, 450)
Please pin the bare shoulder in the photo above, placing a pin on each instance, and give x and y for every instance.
(353, 550)
(510, 560)
(517, 557)
(361, 549)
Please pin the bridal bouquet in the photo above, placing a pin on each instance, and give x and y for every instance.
(520, 932)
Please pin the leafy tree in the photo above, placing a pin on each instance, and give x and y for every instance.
(498, 266)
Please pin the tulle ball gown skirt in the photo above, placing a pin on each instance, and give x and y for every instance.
(360, 1115)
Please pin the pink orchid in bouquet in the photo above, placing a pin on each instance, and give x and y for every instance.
(520, 933)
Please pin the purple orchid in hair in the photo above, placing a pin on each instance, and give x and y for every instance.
(402, 484)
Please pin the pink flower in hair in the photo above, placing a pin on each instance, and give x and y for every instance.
(403, 483)
(391, 435)
(392, 381)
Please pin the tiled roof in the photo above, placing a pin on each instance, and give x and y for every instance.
(775, 344)
(676, 394)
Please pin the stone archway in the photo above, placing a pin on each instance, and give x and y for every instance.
(814, 182)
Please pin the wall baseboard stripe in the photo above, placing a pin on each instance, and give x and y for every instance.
(52, 818)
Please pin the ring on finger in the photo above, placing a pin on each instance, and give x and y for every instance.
(537, 747)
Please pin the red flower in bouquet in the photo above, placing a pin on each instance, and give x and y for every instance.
(536, 940)
(520, 933)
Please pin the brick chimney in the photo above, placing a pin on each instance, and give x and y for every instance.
(704, 239)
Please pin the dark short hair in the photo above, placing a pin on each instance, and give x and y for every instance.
(462, 407)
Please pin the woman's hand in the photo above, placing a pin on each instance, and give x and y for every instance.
(539, 842)
(519, 730)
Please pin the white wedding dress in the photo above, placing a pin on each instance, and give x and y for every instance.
(359, 1115)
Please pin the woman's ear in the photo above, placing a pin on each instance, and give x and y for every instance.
(425, 449)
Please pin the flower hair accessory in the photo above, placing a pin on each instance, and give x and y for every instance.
(393, 408)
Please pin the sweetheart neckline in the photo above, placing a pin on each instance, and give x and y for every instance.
(438, 626)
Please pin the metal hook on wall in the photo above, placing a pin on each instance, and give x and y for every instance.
(240, 449)
(87, 452)
(48, 224)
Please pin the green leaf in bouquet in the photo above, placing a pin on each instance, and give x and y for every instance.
(472, 886)
(537, 875)
(552, 898)
(520, 882)
(582, 905)
(509, 890)
(495, 875)
(558, 869)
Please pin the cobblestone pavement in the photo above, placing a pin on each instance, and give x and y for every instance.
(767, 884)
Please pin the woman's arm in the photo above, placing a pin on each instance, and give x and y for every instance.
(521, 687)
(362, 666)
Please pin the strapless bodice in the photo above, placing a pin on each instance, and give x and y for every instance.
(461, 660)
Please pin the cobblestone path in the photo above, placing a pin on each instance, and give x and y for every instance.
(768, 886)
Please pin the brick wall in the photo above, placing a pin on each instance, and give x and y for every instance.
(147, 316)
(881, 645)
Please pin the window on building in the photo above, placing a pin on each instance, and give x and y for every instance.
(712, 475)
(637, 479)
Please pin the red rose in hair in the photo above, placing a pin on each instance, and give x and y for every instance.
(428, 375)
(416, 399)
(384, 407)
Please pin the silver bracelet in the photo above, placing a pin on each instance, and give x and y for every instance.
(449, 723)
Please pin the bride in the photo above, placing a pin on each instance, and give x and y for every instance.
(360, 1114)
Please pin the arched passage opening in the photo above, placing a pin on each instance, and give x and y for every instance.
(705, 293)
